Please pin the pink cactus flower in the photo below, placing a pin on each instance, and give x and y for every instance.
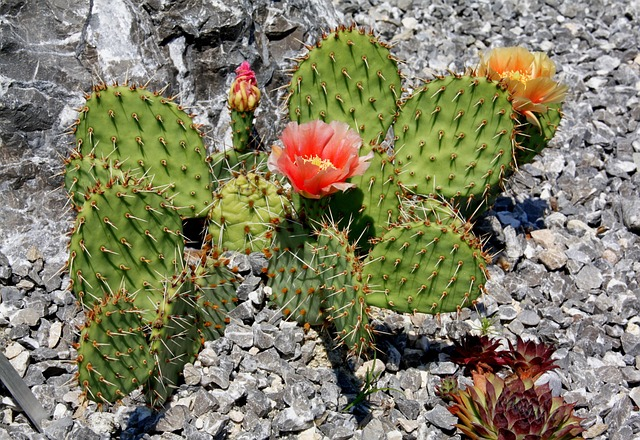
(528, 76)
(318, 158)
(244, 95)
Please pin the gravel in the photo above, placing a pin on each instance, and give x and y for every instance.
(565, 232)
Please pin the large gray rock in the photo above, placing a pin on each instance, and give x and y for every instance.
(52, 52)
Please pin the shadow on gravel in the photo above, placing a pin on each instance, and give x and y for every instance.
(525, 216)
(141, 422)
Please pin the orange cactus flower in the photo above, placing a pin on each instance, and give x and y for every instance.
(528, 76)
(244, 95)
(318, 158)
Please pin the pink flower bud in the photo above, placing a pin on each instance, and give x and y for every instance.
(244, 95)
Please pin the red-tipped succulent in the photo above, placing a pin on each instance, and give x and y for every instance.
(529, 360)
(479, 354)
(518, 410)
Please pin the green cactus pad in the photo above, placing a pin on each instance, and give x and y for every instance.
(244, 212)
(175, 338)
(83, 172)
(532, 140)
(113, 354)
(425, 267)
(146, 131)
(373, 204)
(295, 274)
(344, 304)
(215, 291)
(125, 236)
(349, 76)
(455, 138)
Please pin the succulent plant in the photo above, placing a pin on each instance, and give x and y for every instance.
(447, 388)
(529, 360)
(479, 354)
(518, 410)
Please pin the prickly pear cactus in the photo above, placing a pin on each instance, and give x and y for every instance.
(174, 338)
(215, 293)
(113, 352)
(146, 131)
(125, 236)
(349, 76)
(425, 266)
(455, 138)
(244, 212)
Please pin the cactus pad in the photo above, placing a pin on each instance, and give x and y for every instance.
(455, 138)
(425, 267)
(244, 212)
(145, 130)
(175, 338)
(215, 289)
(113, 354)
(348, 76)
(533, 140)
(126, 235)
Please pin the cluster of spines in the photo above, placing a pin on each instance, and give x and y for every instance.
(296, 274)
(174, 338)
(215, 292)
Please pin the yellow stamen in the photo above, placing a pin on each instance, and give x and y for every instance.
(516, 75)
(323, 164)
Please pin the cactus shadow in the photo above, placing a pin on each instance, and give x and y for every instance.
(524, 216)
(141, 422)
(344, 367)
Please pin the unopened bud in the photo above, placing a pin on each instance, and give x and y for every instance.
(244, 95)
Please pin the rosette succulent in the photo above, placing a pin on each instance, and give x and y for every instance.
(529, 360)
(479, 353)
(518, 410)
